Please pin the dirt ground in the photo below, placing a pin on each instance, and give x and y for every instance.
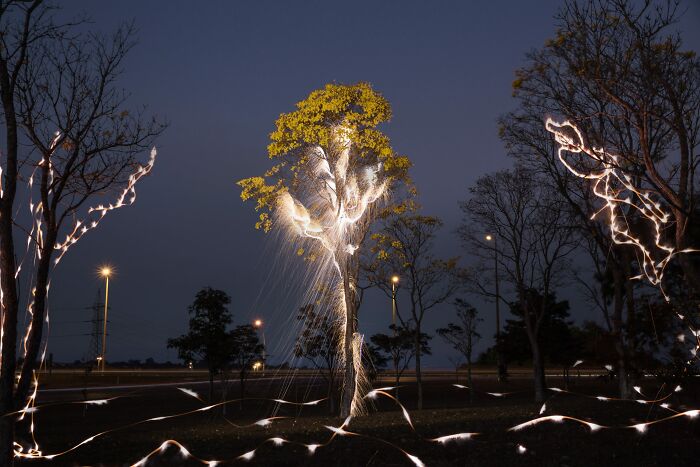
(384, 437)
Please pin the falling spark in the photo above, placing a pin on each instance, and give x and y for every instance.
(331, 218)
(190, 392)
(248, 455)
(455, 437)
(312, 448)
(556, 419)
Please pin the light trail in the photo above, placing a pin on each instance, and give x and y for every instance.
(332, 215)
(616, 188)
(36, 237)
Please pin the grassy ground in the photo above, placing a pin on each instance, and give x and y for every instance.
(208, 435)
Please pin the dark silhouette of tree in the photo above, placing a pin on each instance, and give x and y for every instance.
(462, 335)
(245, 350)
(404, 246)
(319, 343)
(208, 338)
(399, 347)
(620, 72)
(69, 128)
(536, 237)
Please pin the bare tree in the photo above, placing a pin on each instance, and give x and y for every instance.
(618, 70)
(61, 102)
(319, 343)
(462, 335)
(535, 238)
(404, 247)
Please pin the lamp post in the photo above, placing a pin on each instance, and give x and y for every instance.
(105, 272)
(258, 323)
(395, 354)
(502, 373)
(394, 283)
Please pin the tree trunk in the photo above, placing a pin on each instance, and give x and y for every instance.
(537, 368)
(396, 376)
(349, 377)
(10, 306)
(224, 388)
(419, 379)
(211, 386)
(242, 384)
(618, 334)
(7, 435)
(469, 379)
(29, 364)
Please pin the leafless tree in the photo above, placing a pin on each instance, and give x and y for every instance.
(618, 70)
(69, 133)
(404, 247)
(462, 335)
(536, 237)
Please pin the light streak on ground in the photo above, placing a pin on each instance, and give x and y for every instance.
(35, 238)
(36, 453)
(556, 419)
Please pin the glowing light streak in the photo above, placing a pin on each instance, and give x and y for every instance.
(373, 394)
(556, 419)
(455, 437)
(610, 183)
(330, 218)
(191, 393)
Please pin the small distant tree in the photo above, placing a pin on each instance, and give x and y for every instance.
(208, 339)
(399, 348)
(374, 360)
(245, 350)
(319, 343)
(463, 335)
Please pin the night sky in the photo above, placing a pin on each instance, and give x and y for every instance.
(221, 73)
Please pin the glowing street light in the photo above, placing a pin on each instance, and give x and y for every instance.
(105, 271)
(258, 324)
(394, 284)
(499, 356)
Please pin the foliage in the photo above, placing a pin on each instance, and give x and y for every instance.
(208, 339)
(246, 347)
(398, 347)
(556, 342)
(358, 109)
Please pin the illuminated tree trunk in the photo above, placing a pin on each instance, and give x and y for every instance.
(349, 376)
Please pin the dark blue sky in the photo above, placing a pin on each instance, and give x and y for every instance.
(221, 72)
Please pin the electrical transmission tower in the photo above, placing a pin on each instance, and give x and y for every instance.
(95, 348)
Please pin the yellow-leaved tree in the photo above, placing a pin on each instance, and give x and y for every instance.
(334, 174)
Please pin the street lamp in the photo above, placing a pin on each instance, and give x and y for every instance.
(258, 324)
(394, 284)
(499, 354)
(105, 272)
